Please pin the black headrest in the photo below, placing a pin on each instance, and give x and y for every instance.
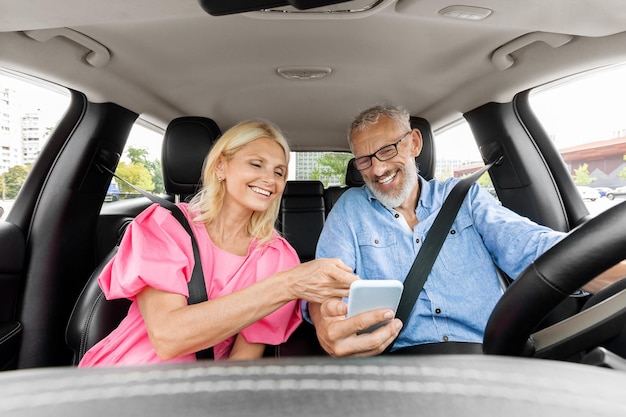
(303, 188)
(186, 144)
(425, 160)
(353, 176)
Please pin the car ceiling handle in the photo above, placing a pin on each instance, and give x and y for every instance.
(98, 55)
(502, 58)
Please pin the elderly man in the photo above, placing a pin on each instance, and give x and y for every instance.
(379, 228)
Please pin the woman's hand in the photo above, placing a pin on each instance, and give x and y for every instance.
(320, 279)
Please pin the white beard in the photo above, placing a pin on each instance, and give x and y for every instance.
(391, 200)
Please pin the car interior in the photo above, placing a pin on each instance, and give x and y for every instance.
(193, 68)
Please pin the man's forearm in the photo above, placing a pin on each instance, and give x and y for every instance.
(608, 277)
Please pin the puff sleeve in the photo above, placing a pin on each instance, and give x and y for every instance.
(155, 251)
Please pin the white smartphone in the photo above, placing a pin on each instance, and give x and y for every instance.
(367, 294)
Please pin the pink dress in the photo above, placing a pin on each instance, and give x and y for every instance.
(156, 251)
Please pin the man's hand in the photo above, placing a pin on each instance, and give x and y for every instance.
(608, 277)
(338, 334)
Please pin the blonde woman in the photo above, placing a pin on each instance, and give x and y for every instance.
(253, 277)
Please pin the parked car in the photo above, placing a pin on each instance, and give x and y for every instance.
(588, 193)
(603, 190)
(618, 192)
(128, 64)
(113, 192)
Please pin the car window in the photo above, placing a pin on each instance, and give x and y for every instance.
(584, 117)
(140, 164)
(327, 167)
(458, 155)
(29, 111)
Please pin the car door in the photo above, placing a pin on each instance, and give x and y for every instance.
(50, 234)
(30, 110)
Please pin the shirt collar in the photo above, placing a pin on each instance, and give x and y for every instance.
(426, 198)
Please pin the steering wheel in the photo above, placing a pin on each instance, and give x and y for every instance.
(585, 252)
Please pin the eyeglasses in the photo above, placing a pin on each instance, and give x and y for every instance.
(383, 154)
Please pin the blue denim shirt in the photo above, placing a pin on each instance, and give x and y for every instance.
(463, 285)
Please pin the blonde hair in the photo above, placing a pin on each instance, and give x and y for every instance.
(208, 202)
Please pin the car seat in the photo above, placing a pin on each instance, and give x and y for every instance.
(186, 143)
(302, 215)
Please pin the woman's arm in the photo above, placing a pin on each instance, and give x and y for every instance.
(242, 350)
(176, 328)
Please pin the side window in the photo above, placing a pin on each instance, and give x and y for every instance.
(328, 167)
(140, 164)
(29, 111)
(458, 155)
(584, 117)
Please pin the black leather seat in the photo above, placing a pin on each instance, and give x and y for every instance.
(302, 215)
(186, 142)
(331, 195)
(427, 158)
(301, 219)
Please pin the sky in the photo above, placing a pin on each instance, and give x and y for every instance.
(597, 115)
(53, 102)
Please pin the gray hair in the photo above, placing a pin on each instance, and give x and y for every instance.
(369, 117)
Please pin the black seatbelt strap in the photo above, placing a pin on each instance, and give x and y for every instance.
(425, 258)
(196, 285)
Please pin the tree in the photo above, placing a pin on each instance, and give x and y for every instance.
(137, 175)
(316, 174)
(445, 174)
(139, 156)
(332, 166)
(622, 174)
(14, 179)
(485, 180)
(581, 175)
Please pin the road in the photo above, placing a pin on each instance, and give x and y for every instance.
(601, 204)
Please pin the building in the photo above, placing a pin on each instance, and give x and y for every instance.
(32, 136)
(306, 164)
(5, 130)
(21, 132)
(604, 159)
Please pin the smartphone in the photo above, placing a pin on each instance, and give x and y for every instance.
(372, 294)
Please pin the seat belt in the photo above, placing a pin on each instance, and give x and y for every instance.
(425, 258)
(196, 285)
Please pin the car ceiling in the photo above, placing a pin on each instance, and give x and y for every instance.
(169, 58)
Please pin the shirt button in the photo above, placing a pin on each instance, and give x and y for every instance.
(417, 240)
(376, 242)
(452, 232)
(396, 215)
(446, 338)
(438, 311)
